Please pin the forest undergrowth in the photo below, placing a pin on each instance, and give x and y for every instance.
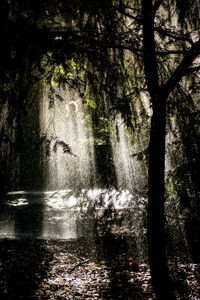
(35, 269)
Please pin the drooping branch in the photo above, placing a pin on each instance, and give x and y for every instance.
(149, 54)
(65, 147)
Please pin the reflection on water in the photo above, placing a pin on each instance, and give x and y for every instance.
(64, 215)
(95, 215)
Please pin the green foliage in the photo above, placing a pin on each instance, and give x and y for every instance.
(91, 102)
(101, 131)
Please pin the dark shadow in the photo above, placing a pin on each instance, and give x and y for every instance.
(106, 175)
(28, 142)
(116, 254)
(188, 171)
(116, 250)
(29, 218)
(24, 261)
(24, 264)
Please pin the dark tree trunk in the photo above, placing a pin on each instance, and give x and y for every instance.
(156, 193)
(156, 185)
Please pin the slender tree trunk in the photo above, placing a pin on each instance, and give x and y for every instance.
(156, 193)
(155, 227)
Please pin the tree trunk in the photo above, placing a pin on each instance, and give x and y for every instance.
(156, 193)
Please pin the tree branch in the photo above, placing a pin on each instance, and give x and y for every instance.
(133, 9)
(182, 69)
(191, 70)
(77, 265)
(170, 52)
(149, 54)
(172, 35)
(130, 16)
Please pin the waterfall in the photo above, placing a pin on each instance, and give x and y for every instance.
(68, 120)
(129, 170)
(65, 122)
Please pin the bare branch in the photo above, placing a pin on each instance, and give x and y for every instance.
(192, 70)
(133, 9)
(77, 265)
(173, 35)
(139, 20)
(170, 52)
(182, 69)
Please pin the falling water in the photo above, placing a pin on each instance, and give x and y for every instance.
(69, 121)
(65, 122)
(129, 171)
